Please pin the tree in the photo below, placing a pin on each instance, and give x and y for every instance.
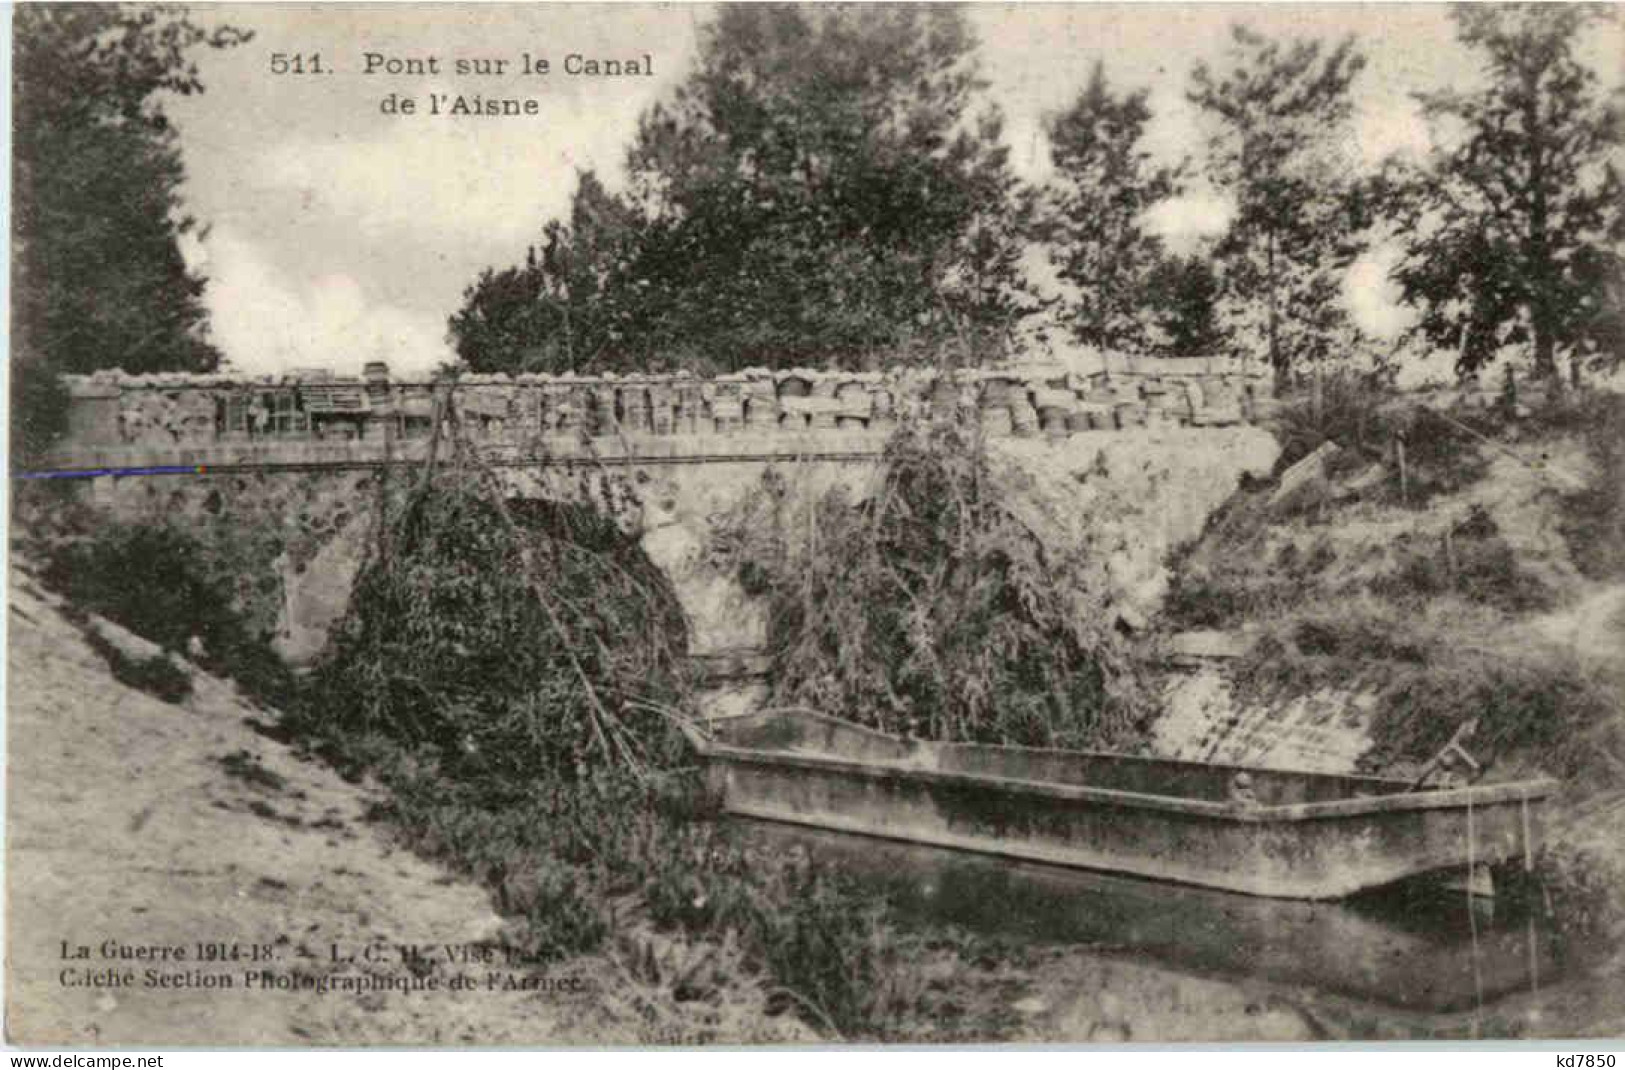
(1516, 220)
(1105, 182)
(97, 272)
(562, 310)
(821, 189)
(1181, 296)
(1279, 112)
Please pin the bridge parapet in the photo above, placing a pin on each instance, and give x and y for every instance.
(321, 420)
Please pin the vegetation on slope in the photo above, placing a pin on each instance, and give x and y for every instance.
(1432, 599)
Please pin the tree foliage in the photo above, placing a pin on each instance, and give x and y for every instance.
(822, 189)
(98, 279)
(508, 641)
(1105, 182)
(932, 610)
(1181, 304)
(1278, 110)
(1517, 216)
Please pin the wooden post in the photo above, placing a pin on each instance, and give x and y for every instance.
(1404, 478)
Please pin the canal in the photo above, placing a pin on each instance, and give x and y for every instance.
(1419, 946)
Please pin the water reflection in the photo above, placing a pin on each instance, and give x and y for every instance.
(1415, 945)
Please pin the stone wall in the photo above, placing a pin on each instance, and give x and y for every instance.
(1203, 719)
(169, 411)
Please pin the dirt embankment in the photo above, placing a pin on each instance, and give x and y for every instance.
(1354, 611)
(136, 823)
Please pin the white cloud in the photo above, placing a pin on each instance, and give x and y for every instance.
(1395, 127)
(1372, 298)
(492, 180)
(1184, 221)
(265, 322)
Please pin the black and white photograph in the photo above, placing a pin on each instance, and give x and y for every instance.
(676, 525)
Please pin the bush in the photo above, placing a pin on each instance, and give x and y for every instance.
(156, 675)
(1474, 562)
(933, 611)
(1366, 418)
(1442, 454)
(1594, 517)
(1539, 707)
(1349, 413)
(1580, 891)
(1545, 709)
(573, 859)
(151, 579)
(514, 641)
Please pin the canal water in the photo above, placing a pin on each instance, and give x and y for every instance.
(1419, 945)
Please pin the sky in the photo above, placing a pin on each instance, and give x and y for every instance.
(335, 233)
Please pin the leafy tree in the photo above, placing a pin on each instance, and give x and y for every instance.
(97, 272)
(1279, 110)
(563, 308)
(1181, 295)
(1517, 219)
(821, 189)
(1105, 181)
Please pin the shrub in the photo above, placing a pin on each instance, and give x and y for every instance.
(515, 641)
(1361, 414)
(151, 578)
(1546, 708)
(1580, 891)
(1540, 707)
(156, 675)
(1594, 517)
(1475, 562)
(933, 611)
(1442, 454)
(1348, 412)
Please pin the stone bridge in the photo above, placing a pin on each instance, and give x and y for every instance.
(277, 474)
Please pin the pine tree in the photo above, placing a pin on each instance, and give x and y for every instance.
(1105, 182)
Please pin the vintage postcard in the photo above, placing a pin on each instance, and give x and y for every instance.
(661, 525)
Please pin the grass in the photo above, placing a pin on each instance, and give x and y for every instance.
(157, 674)
(1594, 517)
(1532, 705)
